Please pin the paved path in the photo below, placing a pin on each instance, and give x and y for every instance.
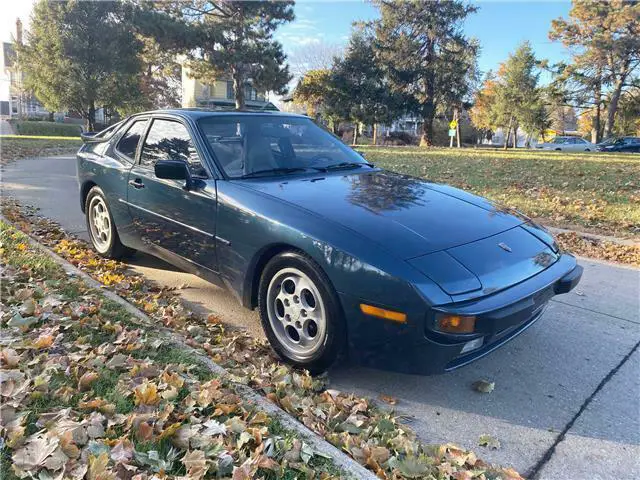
(5, 127)
(567, 397)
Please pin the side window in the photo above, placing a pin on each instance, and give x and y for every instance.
(169, 140)
(129, 141)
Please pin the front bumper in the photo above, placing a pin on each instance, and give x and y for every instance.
(418, 349)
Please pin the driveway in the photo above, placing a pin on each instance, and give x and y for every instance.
(566, 404)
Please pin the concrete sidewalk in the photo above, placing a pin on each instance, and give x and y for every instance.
(567, 397)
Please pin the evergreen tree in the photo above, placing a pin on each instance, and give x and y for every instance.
(419, 44)
(238, 41)
(365, 91)
(518, 100)
(81, 55)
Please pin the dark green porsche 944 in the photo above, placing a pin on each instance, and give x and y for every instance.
(339, 256)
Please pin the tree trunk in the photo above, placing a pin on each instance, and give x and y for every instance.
(595, 125)
(375, 134)
(426, 138)
(51, 119)
(515, 136)
(90, 120)
(613, 105)
(355, 134)
(238, 88)
(506, 139)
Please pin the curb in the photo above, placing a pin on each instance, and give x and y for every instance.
(595, 236)
(350, 468)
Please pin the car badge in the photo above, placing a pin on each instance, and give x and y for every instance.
(505, 247)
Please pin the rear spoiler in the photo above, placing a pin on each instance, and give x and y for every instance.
(90, 137)
(101, 136)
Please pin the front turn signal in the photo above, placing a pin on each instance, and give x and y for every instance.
(455, 323)
(383, 313)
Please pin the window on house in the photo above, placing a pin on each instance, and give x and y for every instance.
(230, 89)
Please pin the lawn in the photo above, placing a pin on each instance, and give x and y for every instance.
(13, 148)
(592, 192)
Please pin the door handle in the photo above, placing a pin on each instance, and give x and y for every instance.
(137, 183)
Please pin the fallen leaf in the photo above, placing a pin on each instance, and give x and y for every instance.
(484, 386)
(43, 341)
(195, 463)
(146, 394)
(489, 441)
(9, 358)
(388, 399)
(87, 380)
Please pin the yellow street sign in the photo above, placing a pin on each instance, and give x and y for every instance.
(453, 124)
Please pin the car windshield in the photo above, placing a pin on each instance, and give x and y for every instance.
(610, 141)
(263, 145)
(560, 140)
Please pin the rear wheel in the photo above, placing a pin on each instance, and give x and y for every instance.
(300, 312)
(102, 230)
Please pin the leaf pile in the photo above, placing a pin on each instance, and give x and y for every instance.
(602, 249)
(375, 438)
(88, 394)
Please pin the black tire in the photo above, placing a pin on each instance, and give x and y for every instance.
(113, 248)
(558, 149)
(332, 346)
(587, 150)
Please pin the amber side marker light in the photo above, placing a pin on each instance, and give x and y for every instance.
(382, 313)
(455, 324)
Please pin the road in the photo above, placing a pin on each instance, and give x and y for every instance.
(567, 399)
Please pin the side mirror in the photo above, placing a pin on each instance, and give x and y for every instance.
(174, 170)
(171, 170)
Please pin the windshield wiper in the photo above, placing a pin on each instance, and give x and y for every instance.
(342, 165)
(274, 171)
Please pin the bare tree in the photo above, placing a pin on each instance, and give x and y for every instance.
(314, 56)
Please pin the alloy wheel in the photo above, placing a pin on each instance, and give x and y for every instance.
(296, 312)
(100, 224)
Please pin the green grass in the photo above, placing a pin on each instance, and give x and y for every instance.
(591, 191)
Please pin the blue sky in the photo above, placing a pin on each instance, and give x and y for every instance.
(499, 25)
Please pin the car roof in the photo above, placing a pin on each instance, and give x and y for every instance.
(196, 113)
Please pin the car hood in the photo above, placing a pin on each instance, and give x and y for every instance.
(405, 215)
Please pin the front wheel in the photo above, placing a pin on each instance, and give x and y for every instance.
(300, 312)
(102, 230)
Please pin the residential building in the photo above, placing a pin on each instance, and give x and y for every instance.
(219, 94)
(22, 103)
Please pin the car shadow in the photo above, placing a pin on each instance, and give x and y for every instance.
(140, 259)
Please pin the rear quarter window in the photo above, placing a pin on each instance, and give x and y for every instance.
(128, 144)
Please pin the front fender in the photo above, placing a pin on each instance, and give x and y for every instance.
(254, 226)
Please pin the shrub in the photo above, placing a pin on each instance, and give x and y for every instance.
(46, 129)
(399, 138)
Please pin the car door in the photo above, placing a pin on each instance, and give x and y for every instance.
(631, 145)
(573, 145)
(165, 213)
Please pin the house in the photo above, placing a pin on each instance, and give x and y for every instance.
(22, 103)
(219, 94)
